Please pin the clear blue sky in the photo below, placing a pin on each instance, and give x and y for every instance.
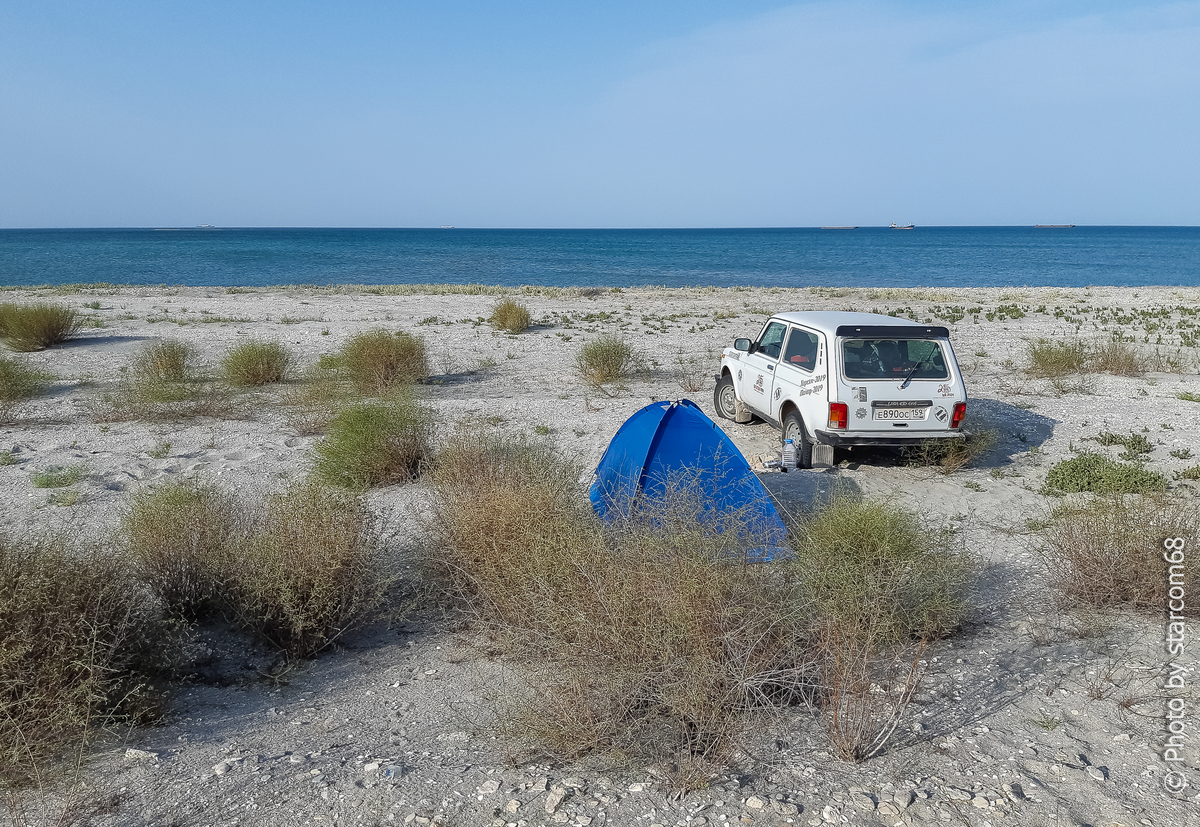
(626, 113)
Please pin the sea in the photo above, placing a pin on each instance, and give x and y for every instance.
(775, 257)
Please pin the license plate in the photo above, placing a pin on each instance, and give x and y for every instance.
(899, 413)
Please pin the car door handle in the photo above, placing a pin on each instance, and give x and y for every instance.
(770, 367)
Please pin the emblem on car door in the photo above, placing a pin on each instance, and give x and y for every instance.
(941, 414)
(758, 384)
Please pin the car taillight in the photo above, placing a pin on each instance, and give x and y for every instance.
(960, 413)
(839, 414)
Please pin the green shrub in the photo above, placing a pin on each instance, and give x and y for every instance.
(1135, 444)
(82, 648)
(176, 532)
(869, 564)
(1101, 475)
(510, 316)
(26, 327)
(19, 383)
(375, 443)
(312, 571)
(378, 360)
(1110, 552)
(255, 363)
(606, 358)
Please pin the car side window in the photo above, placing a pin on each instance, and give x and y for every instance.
(770, 343)
(801, 350)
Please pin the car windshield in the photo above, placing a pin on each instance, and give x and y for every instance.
(893, 359)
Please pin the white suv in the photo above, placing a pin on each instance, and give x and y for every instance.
(833, 379)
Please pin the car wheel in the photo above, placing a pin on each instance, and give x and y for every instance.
(793, 429)
(724, 398)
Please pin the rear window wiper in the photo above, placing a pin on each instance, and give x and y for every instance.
(909, 377)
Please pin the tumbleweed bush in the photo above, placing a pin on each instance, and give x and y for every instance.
(26, 327)
(644, 638)
(1110, 552)
(255, 362)
(314, 568)
(176, 533)
(375, 443)
(83, 648)
(378, 360)
(510, 316)
(607, 358)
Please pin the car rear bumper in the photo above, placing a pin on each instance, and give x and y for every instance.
(839, 439)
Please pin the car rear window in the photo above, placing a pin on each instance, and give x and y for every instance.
(893, 359)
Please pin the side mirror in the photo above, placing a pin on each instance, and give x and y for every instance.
(742, 345)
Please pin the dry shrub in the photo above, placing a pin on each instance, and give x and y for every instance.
(375, 443)
(82, 645)
(176, 532)
(1110, 552)
(311, 569)
(18, 384)
(607, 358)
(868, 684)
(1051, 359)
(255, 363)
(951, 455)
(165, 362)
(26, 327)
(641, 639)
(1118, 357)
(313, 403)
(378, 360)
(510, 316)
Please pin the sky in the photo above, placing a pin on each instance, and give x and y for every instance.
(627, 113)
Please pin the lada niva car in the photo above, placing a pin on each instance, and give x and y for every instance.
(830, 379)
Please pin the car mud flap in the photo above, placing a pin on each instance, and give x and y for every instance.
(822, 456)
(741, 413)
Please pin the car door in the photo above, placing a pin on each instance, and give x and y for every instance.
(800, 376)
(756, 379)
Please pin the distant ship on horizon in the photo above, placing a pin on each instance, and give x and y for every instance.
(896, 226)
(1053, 226)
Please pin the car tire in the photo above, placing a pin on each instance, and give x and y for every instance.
(793, 429)
(725, 398)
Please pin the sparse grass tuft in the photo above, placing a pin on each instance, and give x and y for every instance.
(951, 455)
(164, 362)
(510, 316)
(163, 385)
(254, 363)
(1111, 552)
(313, 403)
(1100, 475)
(26, 327)
(57, 476)
(1188, 396)
(379, 360)
(175, 532)
(18, 384)
(312, 571)
(1118, 357)
(607, 358)
(82, 647)
(375, 443)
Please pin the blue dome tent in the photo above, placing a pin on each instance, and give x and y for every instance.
(667, 443)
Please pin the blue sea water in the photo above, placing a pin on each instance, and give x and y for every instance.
(803, 257)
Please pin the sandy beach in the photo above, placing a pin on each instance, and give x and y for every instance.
(1021, 719)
